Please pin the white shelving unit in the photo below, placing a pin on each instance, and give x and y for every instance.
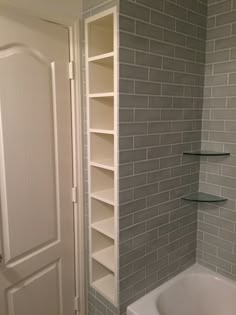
(102, 109)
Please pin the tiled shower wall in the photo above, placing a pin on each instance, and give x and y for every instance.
(162, 57)
(217, 224)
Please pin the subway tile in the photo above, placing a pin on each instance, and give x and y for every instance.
(134, 42)
(162, 48)
(219, 8)
(163, 20)
(133, 72)
(127, 24)
(152, 4)
(175, 10)
(134, 10)
(150, 60)
(147, 88)
(149, 31)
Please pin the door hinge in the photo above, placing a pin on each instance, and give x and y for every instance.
(71, 70)
(77, 304)
(74, 194)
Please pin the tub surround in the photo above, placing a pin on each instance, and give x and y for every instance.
(217, 222)
(195, 291)
(162, 55)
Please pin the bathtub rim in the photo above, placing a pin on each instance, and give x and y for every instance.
(134, 308)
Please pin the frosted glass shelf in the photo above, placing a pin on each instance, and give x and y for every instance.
(106, 286)
(106, 257)
(106, 196)
(207, 153)
(105, 164)
(203, 197)
(103, 131)
(105, 227)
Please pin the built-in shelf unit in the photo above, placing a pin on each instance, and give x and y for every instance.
(102, 122)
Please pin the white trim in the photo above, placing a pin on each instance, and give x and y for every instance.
(78, 178)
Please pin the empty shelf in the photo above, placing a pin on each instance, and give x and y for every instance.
(106, 286)
(106, 164)
(106, 257)
(106, 196)
(203, 197)
(106, 59)
(207, 153)
(105, 227)
(103, 131)
(99, 95)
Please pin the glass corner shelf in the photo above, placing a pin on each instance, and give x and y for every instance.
(206, 153)
(203, 197)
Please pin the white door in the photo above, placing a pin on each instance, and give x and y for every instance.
(37, 271)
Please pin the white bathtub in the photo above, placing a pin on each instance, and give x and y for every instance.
(196, 291)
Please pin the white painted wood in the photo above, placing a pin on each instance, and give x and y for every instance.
(106, 227)
(102, 107)
(106, 196)
(100, 95)
(106, 257)
(59, 11)
(36, 169)
(78, 170)
(106, 286)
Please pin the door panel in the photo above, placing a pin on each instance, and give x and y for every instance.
(37, 276)
(27, 120)
(40, 301)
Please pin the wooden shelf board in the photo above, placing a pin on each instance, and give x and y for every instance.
(101, 95)
(105, 227)
(103, 59)
(106, 257)
(104, 131)
(105, 164)
(106, 196)
(106, 286)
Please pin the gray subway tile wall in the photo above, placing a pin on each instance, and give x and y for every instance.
(162, 58)
(216, 245)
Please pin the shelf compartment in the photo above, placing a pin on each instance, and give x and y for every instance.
(102, 182)
(102, 113)
(100, 36)
(103, 281)
(105, 227)
(106, 196)
(104, 58)
(102, 150)
(206, 153)
(105, 164)
(101, 76)
(203, 197)
(106, 257)
(100, 211)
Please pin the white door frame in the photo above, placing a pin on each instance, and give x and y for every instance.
(77, 138)
(77, 128)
